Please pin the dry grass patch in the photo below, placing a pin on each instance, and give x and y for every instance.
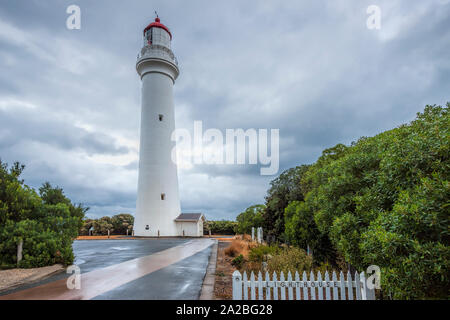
(238, 247)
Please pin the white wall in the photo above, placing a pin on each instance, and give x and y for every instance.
(191, 229)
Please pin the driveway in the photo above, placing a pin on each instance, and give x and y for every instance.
(129, 269)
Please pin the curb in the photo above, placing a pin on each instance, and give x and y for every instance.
(31, 279)
(207, 292)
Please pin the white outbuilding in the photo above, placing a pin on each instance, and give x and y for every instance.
(190, 224)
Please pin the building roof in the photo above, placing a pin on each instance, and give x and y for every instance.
(158, 24)
(193, 217)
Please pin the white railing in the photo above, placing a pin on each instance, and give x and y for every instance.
(304, 289)
(157, 51)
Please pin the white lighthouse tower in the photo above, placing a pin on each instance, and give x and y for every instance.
(158, 203)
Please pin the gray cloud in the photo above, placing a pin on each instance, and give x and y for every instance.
(70, 100)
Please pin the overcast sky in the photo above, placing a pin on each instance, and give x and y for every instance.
(70, 99)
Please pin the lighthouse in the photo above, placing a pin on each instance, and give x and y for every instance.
(158, 202)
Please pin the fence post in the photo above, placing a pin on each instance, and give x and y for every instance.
(358, 286)
(342, 284)
(290, 289)
(297, 289)
(268, 286)
(305, 287)
(237, 285)
(350, 286)
(282, 286)
(313, 286)
(260, 286)
(19, 251)
(275, 287)
(252, 286)
(245, 286)
(319, 286)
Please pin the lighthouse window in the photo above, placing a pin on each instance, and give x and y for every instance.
(161, 117)
(163, 196)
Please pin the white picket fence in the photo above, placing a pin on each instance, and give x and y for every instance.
(304, 289)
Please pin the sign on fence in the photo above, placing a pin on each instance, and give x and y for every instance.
(304, 289)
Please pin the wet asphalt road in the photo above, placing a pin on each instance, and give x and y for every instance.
(181, 280)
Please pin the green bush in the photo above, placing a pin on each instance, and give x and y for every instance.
(220, 227)
(261, 253)
(283, 190)
(238, 262)
(383, 200)
(251, 217)
(290, 259)
(46, 223)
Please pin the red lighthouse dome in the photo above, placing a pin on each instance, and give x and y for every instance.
(157, 24)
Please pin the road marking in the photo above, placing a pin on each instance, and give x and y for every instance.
(102, 280)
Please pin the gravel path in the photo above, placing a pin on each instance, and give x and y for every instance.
(13, 277)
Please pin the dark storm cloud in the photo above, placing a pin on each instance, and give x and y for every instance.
(33, 126)
(70, 100)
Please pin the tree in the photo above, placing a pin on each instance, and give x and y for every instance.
(384, 201)
(102, 225)
(251, 217)
(47, 226)
(283, 190)
(220, 227)
(122, 222)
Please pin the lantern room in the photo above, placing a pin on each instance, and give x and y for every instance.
(157, 34)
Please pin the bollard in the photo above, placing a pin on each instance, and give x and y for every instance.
(19, 251)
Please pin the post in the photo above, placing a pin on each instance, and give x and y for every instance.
(132, 233)
(19, 251)
(237, 285)
(253, 233)
(158, 233)
(108, 234)
(127, 231)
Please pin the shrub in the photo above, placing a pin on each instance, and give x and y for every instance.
(238, 247)
(383, 200)
(238, 262)
(220, 227)
(251, 217)
(261, 253)
(46, 223)
(290, 259)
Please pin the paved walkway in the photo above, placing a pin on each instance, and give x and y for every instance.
(175, 272)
